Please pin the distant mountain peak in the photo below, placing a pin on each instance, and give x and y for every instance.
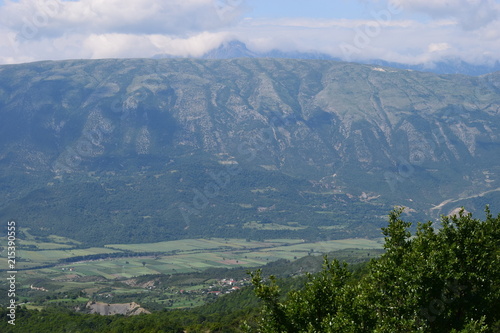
(237, 49)
(229, 50)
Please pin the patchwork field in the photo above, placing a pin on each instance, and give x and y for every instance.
(59, 270)
(63, 258)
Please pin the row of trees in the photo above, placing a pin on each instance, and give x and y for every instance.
(439, 280)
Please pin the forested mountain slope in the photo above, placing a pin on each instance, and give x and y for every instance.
(109, 151)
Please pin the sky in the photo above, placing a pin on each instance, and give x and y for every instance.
(404, 31)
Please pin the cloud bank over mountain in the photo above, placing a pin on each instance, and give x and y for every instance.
(404, 31)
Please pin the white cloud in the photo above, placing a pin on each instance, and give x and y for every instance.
(55, 29)
(437, 47)
(471, 14)
(115, 16)
(194, 46)
(133, 46)
(405, 41)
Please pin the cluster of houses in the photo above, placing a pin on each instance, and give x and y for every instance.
(223, 286)
(71, 269)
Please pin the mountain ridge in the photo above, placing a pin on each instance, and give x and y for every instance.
(237, 49)
(173, 148)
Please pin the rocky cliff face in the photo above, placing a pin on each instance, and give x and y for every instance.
(402, 137)
(106, 309)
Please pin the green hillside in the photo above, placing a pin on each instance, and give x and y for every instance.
(136, 150)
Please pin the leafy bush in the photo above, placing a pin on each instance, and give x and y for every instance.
(439, 280)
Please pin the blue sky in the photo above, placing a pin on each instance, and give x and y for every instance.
(347, 9)
(405, 31)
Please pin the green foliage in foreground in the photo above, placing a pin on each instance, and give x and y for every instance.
(445, 280)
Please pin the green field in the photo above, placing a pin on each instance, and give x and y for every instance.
(183, 256)
(119, 263)
(199, 245)
(273, 226)
(170, 257)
